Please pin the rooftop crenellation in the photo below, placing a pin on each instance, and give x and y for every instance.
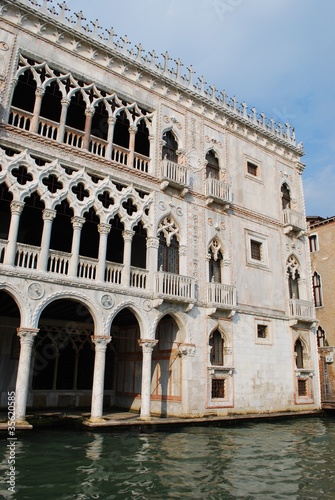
(164, 67)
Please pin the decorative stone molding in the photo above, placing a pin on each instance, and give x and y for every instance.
(147, 345)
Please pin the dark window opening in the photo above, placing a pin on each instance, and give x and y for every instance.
(317, 290)
(262, 331)
(121, 130)
(168, 256)
(299, 354)
(321, 337)
(5, 211)
(75, 117)
(31, 221)
(24, 93)
(89, 238)
(256, 250)
(22, 175)
(62, 229)
(218, 388)
(52, 183)
(313, 243)
(100, 122)
(142, 144)
(217, 348)
(302, 387)
(170, 148)
(139, 247)
(252, 168)
(51, 106)
(115, 241)
(286, 198)
(212, 167)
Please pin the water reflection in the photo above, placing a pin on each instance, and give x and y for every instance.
(283, 460)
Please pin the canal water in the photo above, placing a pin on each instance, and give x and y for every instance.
(286, 459)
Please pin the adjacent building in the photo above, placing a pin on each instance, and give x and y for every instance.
(153, 247)
(321, 241)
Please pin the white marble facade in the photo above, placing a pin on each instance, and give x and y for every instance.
(153, 253)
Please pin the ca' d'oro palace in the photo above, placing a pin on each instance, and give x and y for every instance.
(153, 247)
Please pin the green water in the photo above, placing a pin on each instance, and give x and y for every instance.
(291, 459)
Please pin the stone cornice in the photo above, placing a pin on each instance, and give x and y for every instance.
(227, 107)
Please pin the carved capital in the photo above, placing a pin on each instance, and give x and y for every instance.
(77, 222)
(132, 129)
(100, 342)
(104, 228)
(16, 207)
(152, 242)
(49, 214)
(147, 345)
(27, 335)
(128, 234)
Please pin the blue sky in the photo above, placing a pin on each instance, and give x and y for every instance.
(277, 55)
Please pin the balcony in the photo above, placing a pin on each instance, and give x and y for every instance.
(59, 262)
(175, 175)
(294, 222)
(174, 288)
(221, 297)
(218, 192)
(301, 313)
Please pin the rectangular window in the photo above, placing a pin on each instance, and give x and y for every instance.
(252, 168)
(262, 331)
(302, 387)
(218, 388)
(313, 243)
(256, 250)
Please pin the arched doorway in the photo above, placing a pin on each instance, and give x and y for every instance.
(166, 380)
(126, 365)
(63, 356)
(9, 343)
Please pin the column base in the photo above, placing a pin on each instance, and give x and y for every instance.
(96, 420)
(145, 419)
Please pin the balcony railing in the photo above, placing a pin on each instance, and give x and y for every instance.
(221, 296)
(87, 268)
(98, 146)
(58, 262)
(20, 119)
(175, 287)
(301, 309)
(113, 273)
(293, 221)
(174, 175)
(138, 277)
(141, 162)
(26, 256)
(217, 191)
(74, 137)
(120, 154)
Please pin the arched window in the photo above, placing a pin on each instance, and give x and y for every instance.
(212, 166)
(214, 263)
(285, 196)
(139, 247)
(216, 343)
(293, 277)
(51, 106)
(75, 117)
(299, 354)
(24, 93)
(170, 148)
(321, 336)
(121, 130)
(168, 251)
(142, 144)
(317, 290)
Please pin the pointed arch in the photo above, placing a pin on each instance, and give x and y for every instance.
(293, 274)
(170, 146)
(285, 196)
(212, 165)
(168, 250)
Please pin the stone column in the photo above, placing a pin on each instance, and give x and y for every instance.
(48, 217)
(89, 112)
(225, 271)
(65, 104)
(152, 139)
(132, 133)
(104, 230)
(77, 223)
(16, 208)
(152, 260)
(111, 122)
(127, 236)
(39, 93)
(27, 336)
(100, 342)
(147, 347)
